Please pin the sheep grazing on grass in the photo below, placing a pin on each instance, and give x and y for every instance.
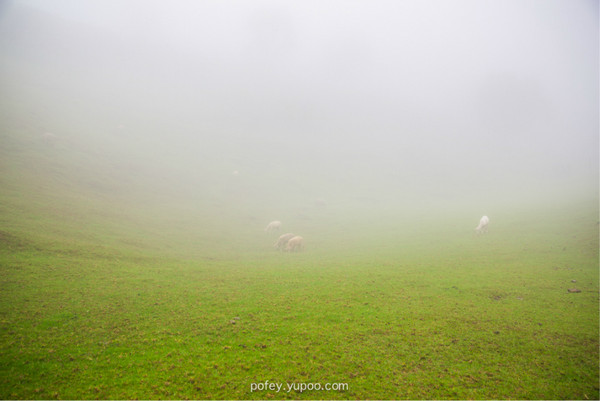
(273, 226)
(483, 225)
(49, 138)
(283, 240)
(295, 244)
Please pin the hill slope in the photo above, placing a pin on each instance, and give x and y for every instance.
(133, 263)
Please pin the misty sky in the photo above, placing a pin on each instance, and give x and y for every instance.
(486, 87)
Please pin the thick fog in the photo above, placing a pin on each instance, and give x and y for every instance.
(396, 102)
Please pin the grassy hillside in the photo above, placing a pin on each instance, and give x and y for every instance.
(119, 282)
(134, 264)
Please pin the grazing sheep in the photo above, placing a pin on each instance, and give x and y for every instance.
(295, 244)
(49, 138)
(283, 240)
(483, 225)
(273, 226)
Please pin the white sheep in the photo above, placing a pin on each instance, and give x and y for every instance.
(483, 225)
(283, 240)
(273, 226)
(295, 244)
(49, 138)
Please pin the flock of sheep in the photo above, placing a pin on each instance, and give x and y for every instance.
(286, 242)
(294, 243)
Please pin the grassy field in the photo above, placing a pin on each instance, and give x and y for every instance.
(113, 290)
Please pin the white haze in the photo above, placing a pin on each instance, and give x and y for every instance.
(407, 103)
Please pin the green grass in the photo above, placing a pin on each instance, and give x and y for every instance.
(108, 291)
(469, 317)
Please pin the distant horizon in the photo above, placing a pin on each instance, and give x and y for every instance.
(392, 100)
